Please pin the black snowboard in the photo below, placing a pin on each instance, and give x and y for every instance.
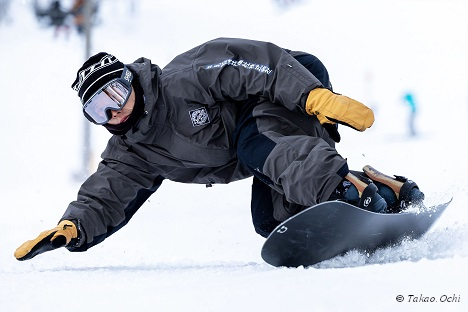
(330, 229)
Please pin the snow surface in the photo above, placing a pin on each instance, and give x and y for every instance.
(190, 248)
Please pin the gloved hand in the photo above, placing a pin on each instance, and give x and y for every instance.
(331, 108)
(59, 236)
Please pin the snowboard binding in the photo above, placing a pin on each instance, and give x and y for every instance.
(406, 191)
(369, 197)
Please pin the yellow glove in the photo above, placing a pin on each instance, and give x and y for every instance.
(331, 108)
(59, 236)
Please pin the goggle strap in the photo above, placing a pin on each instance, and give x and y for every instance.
(127, 77)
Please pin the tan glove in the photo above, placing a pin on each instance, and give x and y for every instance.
(59, 236)
(331, 108)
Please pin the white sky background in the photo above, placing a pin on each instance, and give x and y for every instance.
(194, 249)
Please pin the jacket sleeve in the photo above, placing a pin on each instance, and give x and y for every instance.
(108, 199)
(235, 69)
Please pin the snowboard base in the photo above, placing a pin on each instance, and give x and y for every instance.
(332, 228)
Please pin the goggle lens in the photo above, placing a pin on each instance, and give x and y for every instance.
(112, 96)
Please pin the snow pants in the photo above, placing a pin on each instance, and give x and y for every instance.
(292, 157)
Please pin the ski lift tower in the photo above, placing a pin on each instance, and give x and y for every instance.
(87, 150)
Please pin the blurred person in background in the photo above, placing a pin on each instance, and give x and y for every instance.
(409, 100)
(58, 17)
(4, 11)
(78, 11)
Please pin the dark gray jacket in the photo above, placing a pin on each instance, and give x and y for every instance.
(186, 135)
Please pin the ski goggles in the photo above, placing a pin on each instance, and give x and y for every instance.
(112, 96)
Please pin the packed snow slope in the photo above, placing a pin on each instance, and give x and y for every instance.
(192, 248)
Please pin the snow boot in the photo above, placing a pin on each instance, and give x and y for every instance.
(360, 192)
(407, 192)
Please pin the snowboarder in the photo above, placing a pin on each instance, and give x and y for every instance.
(226, 110)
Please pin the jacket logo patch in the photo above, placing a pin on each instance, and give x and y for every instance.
(199, 117)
